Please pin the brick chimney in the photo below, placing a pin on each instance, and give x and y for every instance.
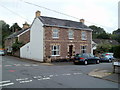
(26, 25)
(82, 21)
(37, 14)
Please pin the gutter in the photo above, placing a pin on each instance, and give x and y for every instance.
(88, 29)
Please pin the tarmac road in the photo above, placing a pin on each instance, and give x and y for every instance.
(21, 73)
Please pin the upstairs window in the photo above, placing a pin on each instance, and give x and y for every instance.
(71, 34)
(55, 33)
(55, 50)
(83, 35)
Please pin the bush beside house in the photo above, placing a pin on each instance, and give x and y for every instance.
(16, 47)
(116, 51)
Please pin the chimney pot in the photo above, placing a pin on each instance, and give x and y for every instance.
(82, 20)
(25, 25)
(38, 13)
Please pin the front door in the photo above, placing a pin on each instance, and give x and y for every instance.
(70, 51)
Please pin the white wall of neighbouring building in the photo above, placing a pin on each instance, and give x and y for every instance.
(25, 51)
(34, 50)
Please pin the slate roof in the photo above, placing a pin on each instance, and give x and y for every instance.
(16, 33)
(50, 21)
(106, 41)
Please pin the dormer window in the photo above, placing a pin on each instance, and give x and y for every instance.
(83, 35)
(55, 33)
(71, 34)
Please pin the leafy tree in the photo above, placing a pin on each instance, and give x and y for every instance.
(116, 35)
(117, 31)
(96, 31)
(4, 31)
(104, 36)
(15, 27)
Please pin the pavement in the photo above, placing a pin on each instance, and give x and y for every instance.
(106, 74)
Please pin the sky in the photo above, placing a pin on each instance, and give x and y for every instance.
(102, 13)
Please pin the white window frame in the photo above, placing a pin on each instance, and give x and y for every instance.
(57, 50)
(55, 33)
(83, 35)
(71, 34)
(84, 49)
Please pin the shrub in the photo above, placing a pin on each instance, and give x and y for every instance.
(16, 46)
(116, 51)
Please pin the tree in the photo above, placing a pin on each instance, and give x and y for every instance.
(15, 27)
(117, 31)
(103, 36)
(116, 35)
(4, 31)
(96, 31)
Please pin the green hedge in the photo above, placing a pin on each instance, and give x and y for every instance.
(116, 51)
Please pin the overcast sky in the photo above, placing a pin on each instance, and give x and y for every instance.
(102, 13)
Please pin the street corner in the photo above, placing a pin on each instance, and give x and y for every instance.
(105, 75)
(99, 73)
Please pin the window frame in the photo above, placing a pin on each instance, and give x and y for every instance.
(55, 33)
(83, 35)
(84, 49)
(57, 50)
(70, 33)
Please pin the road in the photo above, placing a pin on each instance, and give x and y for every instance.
(20, 73)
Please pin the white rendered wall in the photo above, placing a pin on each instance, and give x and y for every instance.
(25, 51)
(34, 50)
(36, 40)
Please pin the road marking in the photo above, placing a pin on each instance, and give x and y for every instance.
(11, 70)
(26, 81)
(7, 65)
(76, 73)
(4, 81)
(17, 64)
(51, 75)
(37, 76)
(35, 65)
(6, 84)
(26, 65)
(20, 79)
(66, 74)
(20, 65)
(46, 78)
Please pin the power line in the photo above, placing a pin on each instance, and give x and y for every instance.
(14, 13)
(60, 13)
(48, 9)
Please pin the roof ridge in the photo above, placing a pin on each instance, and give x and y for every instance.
(60, 19)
